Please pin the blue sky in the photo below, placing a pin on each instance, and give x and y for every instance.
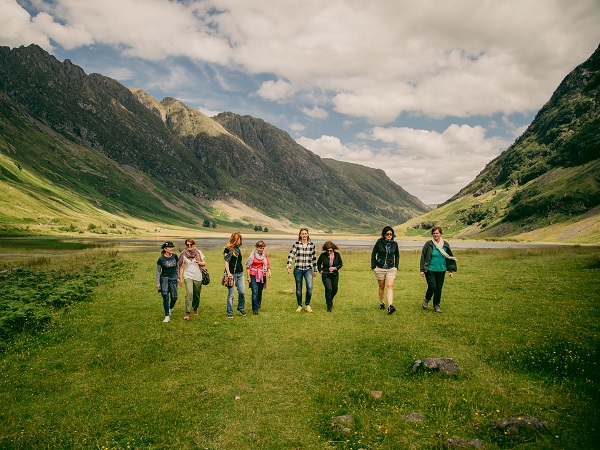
(429, 91)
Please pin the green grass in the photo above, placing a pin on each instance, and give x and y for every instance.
(522, 324)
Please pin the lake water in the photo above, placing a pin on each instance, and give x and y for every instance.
(18, 249)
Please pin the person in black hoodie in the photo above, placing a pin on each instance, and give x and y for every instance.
(328, 265)
(384, 263)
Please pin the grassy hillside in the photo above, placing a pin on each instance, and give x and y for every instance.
(546, 186)
(512, 212)
(129, 155)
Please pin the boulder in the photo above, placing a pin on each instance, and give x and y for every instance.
(516, 424)
(444, 365)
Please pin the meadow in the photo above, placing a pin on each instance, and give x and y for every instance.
(104, 372)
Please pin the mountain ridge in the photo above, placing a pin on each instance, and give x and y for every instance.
(178, 164)
(545, 183)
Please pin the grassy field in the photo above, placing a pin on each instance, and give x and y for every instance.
(108, 374)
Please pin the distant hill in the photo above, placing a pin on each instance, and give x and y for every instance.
(82, 149)
(543, 187)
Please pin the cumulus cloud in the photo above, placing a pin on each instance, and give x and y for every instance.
(428, 164)
(297, 127)
(316, 113)
(275, 90)
(377, 62)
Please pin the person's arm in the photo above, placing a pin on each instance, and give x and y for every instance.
(339, 264)
(227, 257)
(374, 255)
(158, 272)
(450, 263)
(313, 258)
(180, 279)
(397, 255)
(320, 263)
(290, 258)
(423, 259)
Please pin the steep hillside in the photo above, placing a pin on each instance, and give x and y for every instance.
(546, 183)
(334, 190)
(92, 141)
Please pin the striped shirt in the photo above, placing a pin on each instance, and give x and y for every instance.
(306, 256)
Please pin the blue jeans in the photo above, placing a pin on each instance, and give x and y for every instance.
(308, 276)
(238, 282)
(168, 286)
(257, 289)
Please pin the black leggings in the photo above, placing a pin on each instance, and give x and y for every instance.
(330, 282)
(435, 282)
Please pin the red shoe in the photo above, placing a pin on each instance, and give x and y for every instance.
(187, 316)
(195, 312)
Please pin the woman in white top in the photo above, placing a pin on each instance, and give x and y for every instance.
(190, 261)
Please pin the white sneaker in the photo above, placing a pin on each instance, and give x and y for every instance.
(308, 308)
(299, 309)
(167, 318)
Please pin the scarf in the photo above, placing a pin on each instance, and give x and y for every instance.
(440, 247)
(262, 258)
(189, 254)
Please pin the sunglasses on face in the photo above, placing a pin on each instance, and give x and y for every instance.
(329, 250)
(188, 244)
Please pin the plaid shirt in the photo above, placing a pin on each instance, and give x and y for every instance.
(306, 257)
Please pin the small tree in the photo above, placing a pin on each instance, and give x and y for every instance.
(206, 223)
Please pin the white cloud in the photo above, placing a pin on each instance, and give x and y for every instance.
(17, 27)
(316, 112)
(430, 165)
(297, 127)
(374, 62)
(275, 90)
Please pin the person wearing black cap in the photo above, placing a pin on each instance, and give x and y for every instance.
(166, 277)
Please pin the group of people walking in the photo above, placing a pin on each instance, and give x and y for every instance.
(188, 269)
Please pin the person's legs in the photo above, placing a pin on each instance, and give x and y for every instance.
(197, 291)
(241, 288)
(308, 277)
(298, 274)
(260, 287)
(390, 277)
(189, 294)
(327, 284)
(334, 286)
(439, 284)
(230, 293)
(389, 285)
(164, 293)
(431, 285)
(173, 292)
(381, 284)
(254, 287)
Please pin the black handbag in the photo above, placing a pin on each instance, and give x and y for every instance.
(205, 276)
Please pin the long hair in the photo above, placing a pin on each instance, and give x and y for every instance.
(235, 240)
(300, 232)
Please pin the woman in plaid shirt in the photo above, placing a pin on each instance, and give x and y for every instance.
(305, 267)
